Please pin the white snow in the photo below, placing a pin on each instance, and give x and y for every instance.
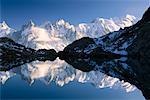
(5, 30)
(128, 87)
(61, 73)
(4, 76)
(57, 36)
(62, 33)
(125, 22)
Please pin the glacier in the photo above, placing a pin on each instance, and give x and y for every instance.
(57, 36)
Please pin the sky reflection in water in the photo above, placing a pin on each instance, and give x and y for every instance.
(58, 79)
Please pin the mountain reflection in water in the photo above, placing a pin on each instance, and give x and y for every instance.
(115, 59)
(101, 73)
(81, 70)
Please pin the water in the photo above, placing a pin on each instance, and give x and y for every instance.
(59, 80)
(73, 90)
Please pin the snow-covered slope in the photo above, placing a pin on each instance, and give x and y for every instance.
(100, 26)
(57, 36)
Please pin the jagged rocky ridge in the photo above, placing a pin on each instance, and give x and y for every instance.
(112, 46)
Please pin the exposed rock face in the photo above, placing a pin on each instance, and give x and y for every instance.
(141, 45)
(85, 48)
(44, 54)
(12, 54)
(140, 51)
(141, 74)
(76, 49)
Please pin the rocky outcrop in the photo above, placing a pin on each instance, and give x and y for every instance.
(44, 54)
(141, 44)
(86, 48)
(13, 54)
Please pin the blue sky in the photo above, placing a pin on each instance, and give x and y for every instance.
(18, 12)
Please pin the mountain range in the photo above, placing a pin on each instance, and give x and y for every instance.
(57, 36)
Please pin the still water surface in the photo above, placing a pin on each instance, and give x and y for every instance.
(58, 80)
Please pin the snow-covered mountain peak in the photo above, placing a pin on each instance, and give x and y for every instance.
(61, 31)
(5, 30)
(35, 37)
(98, 20)
(131, 18)
(60, 22)
(63, 23)
(3, 25)
(46, 25)
(28, 25)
